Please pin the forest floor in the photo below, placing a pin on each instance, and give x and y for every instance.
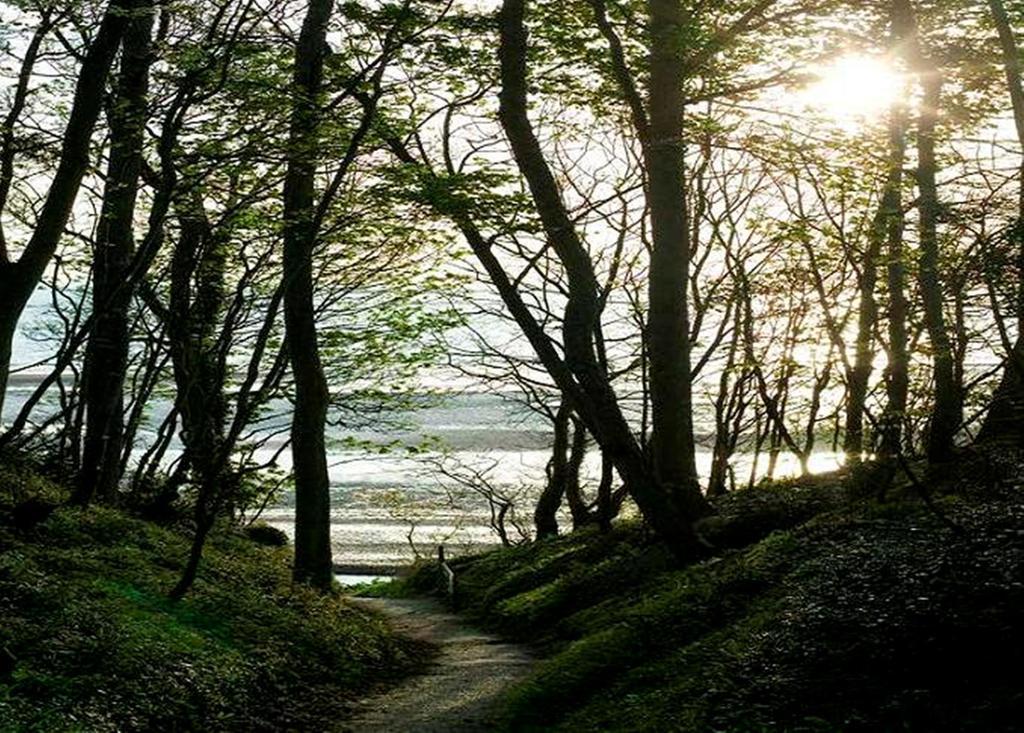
(459, 692)
(821, 609)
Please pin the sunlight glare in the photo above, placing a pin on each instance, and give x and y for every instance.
(854, 88)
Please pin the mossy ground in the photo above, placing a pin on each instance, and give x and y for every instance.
(98, 647)
(856, 616)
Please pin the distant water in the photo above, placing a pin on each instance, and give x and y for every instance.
(389, 506)
(483, 432)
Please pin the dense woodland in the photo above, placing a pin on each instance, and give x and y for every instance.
(768, 228)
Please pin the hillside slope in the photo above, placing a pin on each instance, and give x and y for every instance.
(91, 643)
(866, 617)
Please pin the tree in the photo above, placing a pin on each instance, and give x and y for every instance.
(18, 278)
(897, 369)
(581, 376)
(107, 351)
(672, 442)
(309, 460)
(947, 408)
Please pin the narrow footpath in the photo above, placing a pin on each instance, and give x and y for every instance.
(459, 692)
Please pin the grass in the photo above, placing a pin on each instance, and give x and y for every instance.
(98, 647)
(853, 616)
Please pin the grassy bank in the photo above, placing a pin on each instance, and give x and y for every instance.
(91, 642)
(851, 616)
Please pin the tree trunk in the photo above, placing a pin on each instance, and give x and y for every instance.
(821, 383)
(8, 326)
(8, 148)
(19, 279)
(309, 459)
(897, 370)
(859, 376)
(106, 357)
(947, 409)
(948, 392)
(673, 449)
(192, 330)
(725, 400)
(609, 502)
(198, 371)
(581, 513)
(545, 513)
(195, 556)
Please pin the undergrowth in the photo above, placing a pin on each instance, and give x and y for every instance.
(850, 615)
(91, 642)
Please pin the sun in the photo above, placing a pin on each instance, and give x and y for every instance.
(854, 89)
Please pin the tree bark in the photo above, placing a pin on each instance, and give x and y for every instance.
(106, 358)
(545, 513)
(309, 459)
(859, 375)
(8, 147)
(581, 512)
(199, 373)
(195, 556)
(725, 404)
(9, 313)
(947, 407)
(609, 501)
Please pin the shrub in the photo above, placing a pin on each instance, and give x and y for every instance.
(264, 534)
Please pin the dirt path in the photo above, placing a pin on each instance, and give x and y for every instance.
(458, 693)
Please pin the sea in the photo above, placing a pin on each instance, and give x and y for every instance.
(437, 475)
